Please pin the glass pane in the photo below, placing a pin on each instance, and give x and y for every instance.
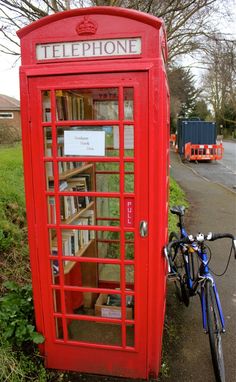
(129, 103)
(77, 210)
(109, 306)
(74, 303)
(129, 141)
(53, 242)
(109, 274)
(47, 141)
(129, 236)
(87, 104)
(129, 177)
(129, 276)
(46, 106)
(56, 295)
(59, 328)
(76, 242)
(55, 271)
(129, 245)
(108, 244)
(92, 275)
(95, 332)
(129, 167)
(129, 182)
(80, 176)
(107, 177)
(108, 211)
(130, 335)
(81, 275)
(72, 171)
(88, 141)
(51, 210)
(129, 251)
(49, 176)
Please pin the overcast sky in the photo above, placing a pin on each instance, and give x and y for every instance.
(9, 70)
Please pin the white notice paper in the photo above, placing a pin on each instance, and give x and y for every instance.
(84, 143)
(111, 313)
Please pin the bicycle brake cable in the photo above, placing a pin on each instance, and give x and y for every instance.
(227, 265)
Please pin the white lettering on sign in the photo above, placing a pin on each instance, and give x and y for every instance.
(84, 143)
(129, 212)
(84, 49)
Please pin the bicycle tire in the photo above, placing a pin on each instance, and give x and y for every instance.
(214, 332)
(177, 260)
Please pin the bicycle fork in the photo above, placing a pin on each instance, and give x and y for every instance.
(203, 304)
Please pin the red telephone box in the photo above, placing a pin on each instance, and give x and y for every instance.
(94, 105)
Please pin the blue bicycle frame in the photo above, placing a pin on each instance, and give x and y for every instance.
(204, 275)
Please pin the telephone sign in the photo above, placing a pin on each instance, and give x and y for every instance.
(86, 49)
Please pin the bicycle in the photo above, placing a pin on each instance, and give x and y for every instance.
(188, 263)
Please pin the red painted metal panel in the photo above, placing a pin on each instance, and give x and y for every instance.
(141, 212)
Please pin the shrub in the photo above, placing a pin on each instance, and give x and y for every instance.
(16, 315)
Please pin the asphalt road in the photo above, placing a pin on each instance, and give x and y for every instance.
(222, 171)
(212, 208)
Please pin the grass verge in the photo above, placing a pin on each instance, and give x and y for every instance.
(14, 260)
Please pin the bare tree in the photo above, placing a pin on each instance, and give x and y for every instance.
(220, 81)
(186, 20)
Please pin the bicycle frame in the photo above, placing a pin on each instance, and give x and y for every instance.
(204, 275)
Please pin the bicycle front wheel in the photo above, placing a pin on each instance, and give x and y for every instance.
(214, 332)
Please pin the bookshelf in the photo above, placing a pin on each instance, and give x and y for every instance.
(79, 211)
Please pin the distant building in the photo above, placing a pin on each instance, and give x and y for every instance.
(10, 122)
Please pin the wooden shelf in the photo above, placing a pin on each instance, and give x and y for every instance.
(79, 214)
(68, 267)
(70, 173)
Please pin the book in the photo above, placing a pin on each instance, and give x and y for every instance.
(52, 210)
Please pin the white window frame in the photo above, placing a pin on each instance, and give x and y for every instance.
(6, 115)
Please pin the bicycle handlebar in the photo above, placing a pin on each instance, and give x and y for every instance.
(200, 238)
(214, 236)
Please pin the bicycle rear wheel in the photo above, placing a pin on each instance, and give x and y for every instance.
(179, 268)
(214, 331)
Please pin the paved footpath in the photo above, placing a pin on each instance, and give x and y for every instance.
(212, 208)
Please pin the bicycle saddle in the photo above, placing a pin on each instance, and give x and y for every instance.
(178, 210)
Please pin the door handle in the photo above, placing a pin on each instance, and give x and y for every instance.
(143, 228)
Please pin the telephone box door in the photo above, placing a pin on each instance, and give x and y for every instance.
(89, 146)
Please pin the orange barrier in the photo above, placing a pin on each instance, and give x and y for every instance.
(203, 152)
(173, 139)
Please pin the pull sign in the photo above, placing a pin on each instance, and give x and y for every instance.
(129, 212)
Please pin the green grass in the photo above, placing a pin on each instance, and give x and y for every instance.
(177, 197)
(13, 232)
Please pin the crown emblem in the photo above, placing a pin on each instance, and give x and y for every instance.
(87, 26)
